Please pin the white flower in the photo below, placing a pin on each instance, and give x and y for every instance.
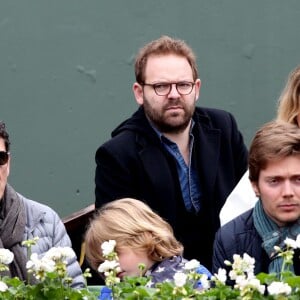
(108, 247)
(291, 243)
(221, 276)
(236, 276)
(37, 264)
(39, 267)
(180, 279)
(205, 282)
(109, 265)
(277, 288)
(298, 241)
(60, 254)
(67, 252)
(53, 254)
(242, 265)
(192, 264)
(244, 283)
(3, 286)
(6, 256)
(227, 262)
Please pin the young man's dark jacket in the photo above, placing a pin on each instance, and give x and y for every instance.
(239, 236)
(135, 164)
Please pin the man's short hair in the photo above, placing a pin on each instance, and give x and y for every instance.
(163, 46)
(273, 141)
(4, 135)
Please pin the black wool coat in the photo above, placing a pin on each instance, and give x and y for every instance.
(134, 163)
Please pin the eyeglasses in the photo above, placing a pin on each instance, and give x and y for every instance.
(164, 88)
(3, 157)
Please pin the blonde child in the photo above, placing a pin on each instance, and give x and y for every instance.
(141, 236)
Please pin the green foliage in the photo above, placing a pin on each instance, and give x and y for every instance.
(51, 288)
(247, 286)
(51, 275)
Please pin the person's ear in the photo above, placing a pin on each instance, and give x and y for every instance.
(197, 88)
(138, 93)
(298, 119)
(255, 188)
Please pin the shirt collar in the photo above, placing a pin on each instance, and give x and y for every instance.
(161, 136)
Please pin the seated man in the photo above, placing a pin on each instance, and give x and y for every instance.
(274, 171)
(180, 159)
(22, 219)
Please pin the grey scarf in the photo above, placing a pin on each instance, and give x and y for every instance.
(273, 235)
(12, 228)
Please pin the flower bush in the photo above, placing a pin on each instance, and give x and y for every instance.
(47, 277)
(246, 286)
(52, 282)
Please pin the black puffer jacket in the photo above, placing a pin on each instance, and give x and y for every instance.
(239, 236)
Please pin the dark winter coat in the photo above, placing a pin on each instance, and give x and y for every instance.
(135, 164)
(239, 236)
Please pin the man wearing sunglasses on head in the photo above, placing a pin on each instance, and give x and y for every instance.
(22, 219)
(180, 159)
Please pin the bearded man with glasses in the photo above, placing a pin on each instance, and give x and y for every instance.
(22, 219)
(180, 159)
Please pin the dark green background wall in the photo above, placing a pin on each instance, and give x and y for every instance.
(66, 70)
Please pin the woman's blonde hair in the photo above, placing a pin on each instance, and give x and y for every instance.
(289, 100)
(131, 223)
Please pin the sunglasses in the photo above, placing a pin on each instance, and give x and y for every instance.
(3, 157)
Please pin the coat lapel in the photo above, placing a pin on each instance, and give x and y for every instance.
(163, 178)
(208, 151)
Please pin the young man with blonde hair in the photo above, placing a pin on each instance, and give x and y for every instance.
(274, 171)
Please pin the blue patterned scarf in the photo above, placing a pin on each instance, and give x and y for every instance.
(273, 235)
